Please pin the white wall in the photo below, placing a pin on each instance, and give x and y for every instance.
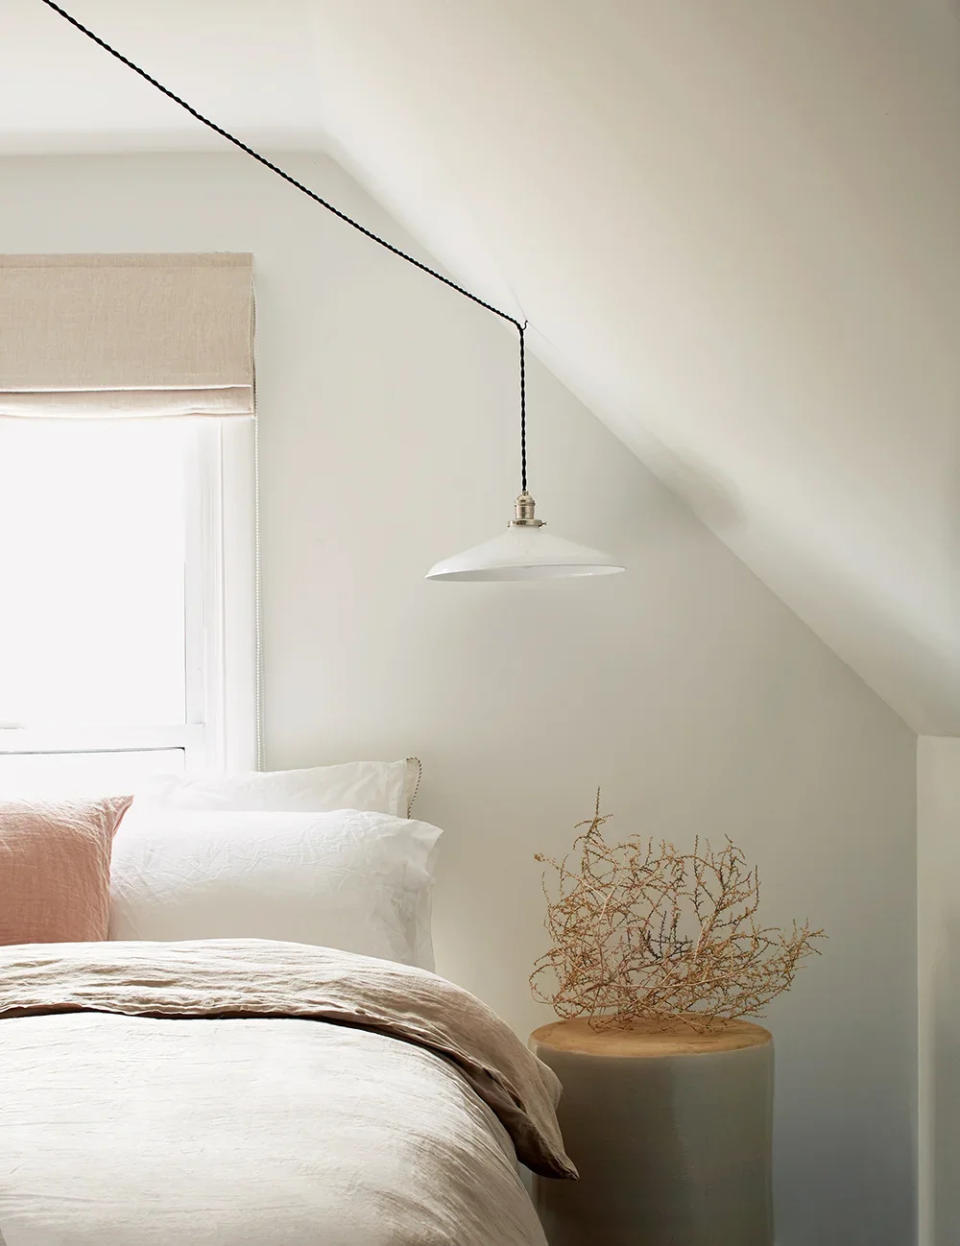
(685, 688)
(938, 937)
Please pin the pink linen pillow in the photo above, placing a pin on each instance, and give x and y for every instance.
(55, 869)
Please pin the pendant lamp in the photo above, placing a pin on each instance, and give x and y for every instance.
(524, 551)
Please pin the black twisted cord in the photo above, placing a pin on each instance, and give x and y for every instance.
(523, 411)
(347, 220)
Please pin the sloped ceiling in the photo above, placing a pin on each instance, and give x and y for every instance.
(734, 227)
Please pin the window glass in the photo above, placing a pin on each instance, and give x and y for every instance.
(92, 532)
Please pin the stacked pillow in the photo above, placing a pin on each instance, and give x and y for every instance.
(326, 856)
(376, 786)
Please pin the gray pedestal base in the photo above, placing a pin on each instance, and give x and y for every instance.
(673, 1149)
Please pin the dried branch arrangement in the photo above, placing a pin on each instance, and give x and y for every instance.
(642, 933)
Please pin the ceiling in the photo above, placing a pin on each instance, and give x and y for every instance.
(734, 228)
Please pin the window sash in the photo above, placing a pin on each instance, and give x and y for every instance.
(221, 712)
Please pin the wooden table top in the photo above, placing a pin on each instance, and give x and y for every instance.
(646, 1040)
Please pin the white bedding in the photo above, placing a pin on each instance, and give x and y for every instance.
(383, 1108)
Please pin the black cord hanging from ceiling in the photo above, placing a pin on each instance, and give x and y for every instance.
(520, 326)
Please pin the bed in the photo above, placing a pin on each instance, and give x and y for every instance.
(253, 1092)
(219, 1026)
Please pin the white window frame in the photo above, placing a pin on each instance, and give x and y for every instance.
(221, 728)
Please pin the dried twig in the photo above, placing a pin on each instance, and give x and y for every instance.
(643, 932)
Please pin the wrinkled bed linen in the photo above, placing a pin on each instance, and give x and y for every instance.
(255, 1093)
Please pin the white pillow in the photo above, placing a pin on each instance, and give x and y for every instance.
(354, 880)
(383, 786)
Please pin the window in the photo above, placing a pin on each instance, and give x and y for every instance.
(127, 628)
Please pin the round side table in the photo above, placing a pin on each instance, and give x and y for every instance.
(671, 1131)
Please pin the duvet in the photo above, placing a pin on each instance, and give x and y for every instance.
(255, 1093)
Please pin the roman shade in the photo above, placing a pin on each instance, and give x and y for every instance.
(126, 335)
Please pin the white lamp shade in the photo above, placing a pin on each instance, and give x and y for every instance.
(524, 553)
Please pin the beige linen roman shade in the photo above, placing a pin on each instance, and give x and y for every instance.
(137, 335)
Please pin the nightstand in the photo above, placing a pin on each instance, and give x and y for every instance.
(671, 1131)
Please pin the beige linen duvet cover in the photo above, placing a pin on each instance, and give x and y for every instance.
(255, 1093)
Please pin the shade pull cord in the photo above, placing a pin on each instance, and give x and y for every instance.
(287, 177)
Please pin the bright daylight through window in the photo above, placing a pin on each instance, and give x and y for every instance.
(112, 631)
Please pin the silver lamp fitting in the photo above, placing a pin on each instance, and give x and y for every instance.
(525, 517)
